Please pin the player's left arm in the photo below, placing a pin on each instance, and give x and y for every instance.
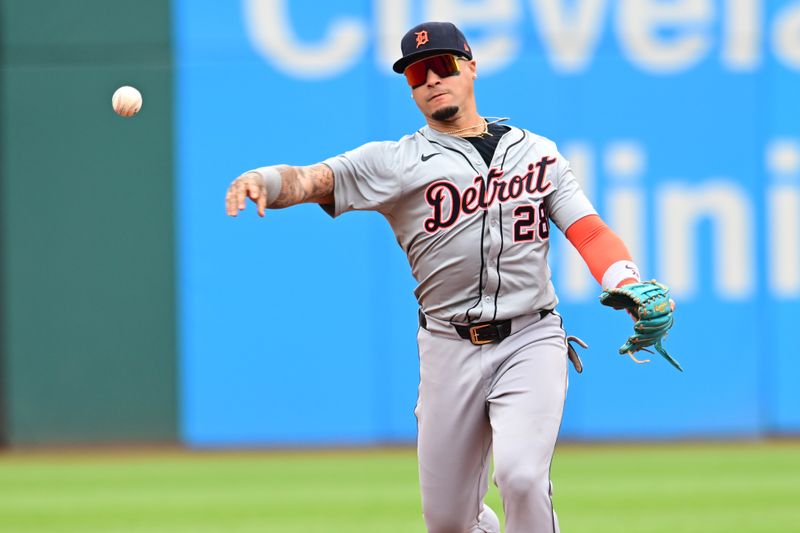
(610, 263)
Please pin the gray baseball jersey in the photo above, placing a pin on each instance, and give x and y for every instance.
(477, 238)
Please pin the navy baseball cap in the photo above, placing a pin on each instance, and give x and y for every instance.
(430, 39)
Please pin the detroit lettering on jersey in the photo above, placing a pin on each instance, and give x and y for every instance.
(448, 202)
(465, 259)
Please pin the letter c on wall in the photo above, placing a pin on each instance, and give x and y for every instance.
(270, 31)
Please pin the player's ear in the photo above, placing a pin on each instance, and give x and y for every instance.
(472, 69)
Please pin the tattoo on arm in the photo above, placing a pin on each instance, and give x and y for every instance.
(312, 184)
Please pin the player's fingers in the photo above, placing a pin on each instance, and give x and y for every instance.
(241, 194)
(253, 190)
(262, 204)
(672, 304)
(230, 202)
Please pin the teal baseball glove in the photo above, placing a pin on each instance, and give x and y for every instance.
(649, 304)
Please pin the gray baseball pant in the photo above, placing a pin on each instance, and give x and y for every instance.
(508, 397)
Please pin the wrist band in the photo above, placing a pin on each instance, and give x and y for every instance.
(619, 271)
(272, 180)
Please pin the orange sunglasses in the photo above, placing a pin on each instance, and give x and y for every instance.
(443, 65)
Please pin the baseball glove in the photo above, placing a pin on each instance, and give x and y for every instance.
(649, 304)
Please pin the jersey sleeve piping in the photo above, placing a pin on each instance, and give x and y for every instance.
(503, 163)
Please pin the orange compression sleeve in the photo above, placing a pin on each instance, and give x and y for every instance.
(601, 249)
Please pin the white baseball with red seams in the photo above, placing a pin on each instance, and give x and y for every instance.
(126, 101)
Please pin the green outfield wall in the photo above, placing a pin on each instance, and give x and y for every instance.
(88, 351)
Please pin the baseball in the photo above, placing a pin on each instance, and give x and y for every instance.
(127, 101)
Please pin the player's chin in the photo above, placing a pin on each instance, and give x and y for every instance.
(444, 112)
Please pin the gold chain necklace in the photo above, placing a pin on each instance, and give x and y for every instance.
(482, 133)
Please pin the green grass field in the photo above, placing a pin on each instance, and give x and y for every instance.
(669, 488)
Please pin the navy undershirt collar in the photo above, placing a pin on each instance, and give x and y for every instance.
(486, 145)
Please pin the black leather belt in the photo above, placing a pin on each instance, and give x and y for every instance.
(483, 332)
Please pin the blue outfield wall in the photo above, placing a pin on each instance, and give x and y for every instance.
(680, 118)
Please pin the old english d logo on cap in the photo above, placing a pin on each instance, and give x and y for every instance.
(428, 39)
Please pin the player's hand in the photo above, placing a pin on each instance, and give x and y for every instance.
(248, 185)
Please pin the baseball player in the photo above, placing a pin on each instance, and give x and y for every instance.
(471, 201)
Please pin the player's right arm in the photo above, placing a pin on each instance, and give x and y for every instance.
(280, 186)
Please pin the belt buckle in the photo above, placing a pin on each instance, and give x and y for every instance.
(474, 334)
